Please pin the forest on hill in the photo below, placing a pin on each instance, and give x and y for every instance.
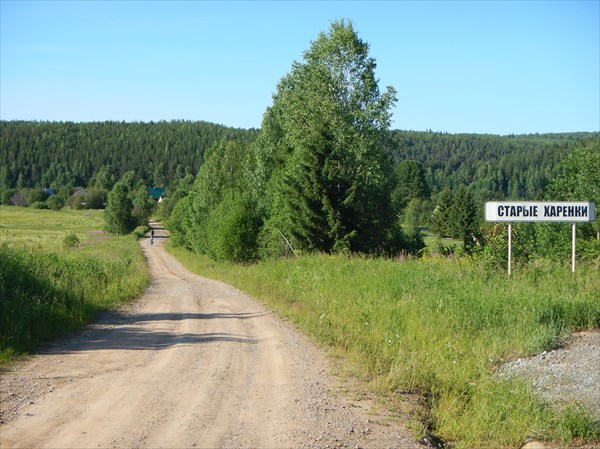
(514, 167)
(56, 154)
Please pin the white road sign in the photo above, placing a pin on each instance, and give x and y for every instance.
(528, 211)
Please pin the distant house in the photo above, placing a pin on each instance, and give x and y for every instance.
(50, 191)
(157, 193)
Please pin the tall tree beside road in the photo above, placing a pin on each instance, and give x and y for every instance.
(320, 163)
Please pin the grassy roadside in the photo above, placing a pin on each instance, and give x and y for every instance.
(46, 289)
(435, 327)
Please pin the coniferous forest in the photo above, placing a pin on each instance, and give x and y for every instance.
(55, 154)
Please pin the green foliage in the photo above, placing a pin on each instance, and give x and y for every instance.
(76, 200)
(457, 215)
(103, 178)
(177, 191)
(143, 205)
(218, 217)
(48, 294)
(56, 202)
(493, 248)
(440, 218)
(437, 327)
(417, 213)
(576, 179)
(464, 218)
(180, 224)
(57, 154)
(36, 196)
(231, 228)
(95, 198)
(6, 195)
(48, 290)
(494, 167)
(320, 163)
(118, 213)
(71, 241)
(39, 205)
(410, 184)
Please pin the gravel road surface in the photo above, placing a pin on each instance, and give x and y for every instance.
(193, 363)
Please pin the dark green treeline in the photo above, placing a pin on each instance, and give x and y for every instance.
(515, 167)
(54, 154)
(57, 154)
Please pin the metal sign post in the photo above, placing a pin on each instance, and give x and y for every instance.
(535, 211)
(573, 250)
(509, 249)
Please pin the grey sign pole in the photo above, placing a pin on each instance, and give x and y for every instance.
(509, 249)
(573, 252)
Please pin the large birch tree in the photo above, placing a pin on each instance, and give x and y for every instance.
(320, 163)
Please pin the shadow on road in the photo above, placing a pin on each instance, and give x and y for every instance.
(136, 338)
(184, 316)
(119, 331)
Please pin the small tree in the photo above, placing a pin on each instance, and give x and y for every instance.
(463, 217)
(118, 211)
(440, 218)
(143, 205)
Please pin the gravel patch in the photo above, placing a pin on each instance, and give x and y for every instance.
(568, 375)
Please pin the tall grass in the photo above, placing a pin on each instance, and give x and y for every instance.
(435, 327)
(47, 290)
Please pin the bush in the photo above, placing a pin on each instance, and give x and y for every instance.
(5, 195)
(19, 198)
(36, 195)
(39, 205)
(76, 200)
(180, 224)
(56, 202)
(95, 198)
(493, 248)
(232, 229)
(71, 241)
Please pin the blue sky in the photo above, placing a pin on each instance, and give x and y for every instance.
(475, 66)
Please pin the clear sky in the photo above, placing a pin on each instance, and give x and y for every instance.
(475, 66)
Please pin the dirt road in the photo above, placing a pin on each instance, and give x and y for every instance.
(193, 363)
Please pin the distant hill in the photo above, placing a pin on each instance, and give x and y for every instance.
(158, 152)
(50, 153)
(514, 166)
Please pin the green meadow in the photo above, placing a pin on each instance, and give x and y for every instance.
(45, 229)
(437, 329)
(48, 288)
